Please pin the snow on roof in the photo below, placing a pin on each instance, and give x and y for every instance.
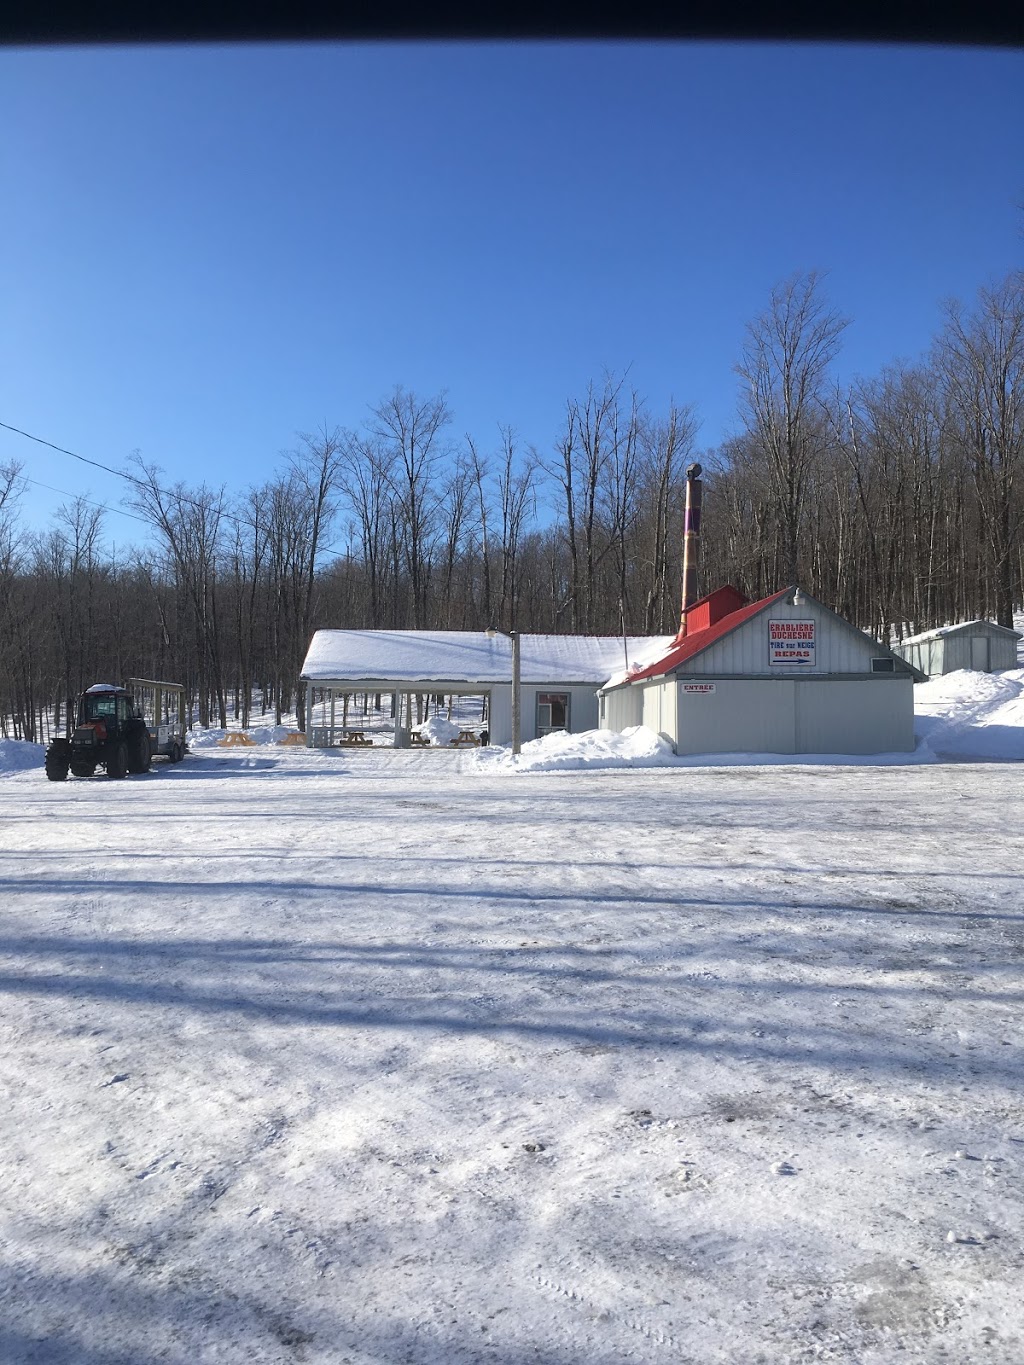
(940, 631)
(104, 687)
(470, 656)
(648, 651)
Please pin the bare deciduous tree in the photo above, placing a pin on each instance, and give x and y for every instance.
(411, 429)
(785, 365)
(981, 359)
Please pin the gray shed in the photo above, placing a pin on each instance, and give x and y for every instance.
(979, 645)
(783, 675)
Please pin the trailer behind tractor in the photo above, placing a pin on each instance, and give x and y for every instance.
(121, 729)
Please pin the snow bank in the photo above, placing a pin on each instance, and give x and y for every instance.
(18, 755)
(639, 747)
(439, 731)
(636, 747)
(972, 715)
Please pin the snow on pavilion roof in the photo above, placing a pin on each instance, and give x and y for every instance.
(470, 656)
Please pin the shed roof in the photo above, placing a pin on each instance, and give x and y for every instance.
(962, 628)
(469, 656)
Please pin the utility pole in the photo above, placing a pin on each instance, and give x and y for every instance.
(517, 720)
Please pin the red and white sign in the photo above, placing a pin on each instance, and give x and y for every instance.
(791, 644)
(702, 689)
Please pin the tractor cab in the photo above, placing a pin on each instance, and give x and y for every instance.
(108, 707)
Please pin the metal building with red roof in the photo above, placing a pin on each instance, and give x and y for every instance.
(782, 675)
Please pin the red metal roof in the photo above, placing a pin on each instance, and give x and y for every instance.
(696, 641)
(708, 611)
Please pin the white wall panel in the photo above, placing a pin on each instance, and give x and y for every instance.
(862, 717)
(659, 713)
(838, 647)
(623, 708)
(740, 716)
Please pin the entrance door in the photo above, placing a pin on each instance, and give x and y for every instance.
(979, 653)
(552, 712)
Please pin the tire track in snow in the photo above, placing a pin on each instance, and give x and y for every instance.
(607, 1315)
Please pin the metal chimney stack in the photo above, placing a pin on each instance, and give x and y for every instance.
(691, 542)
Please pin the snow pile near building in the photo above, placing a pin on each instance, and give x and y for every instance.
(636, 747)
(639, 747)
(18, 755)
(972, 715)
(439, 732)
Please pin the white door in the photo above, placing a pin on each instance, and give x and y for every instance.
(979, 653)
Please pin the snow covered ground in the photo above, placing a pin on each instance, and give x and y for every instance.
(373, 1057)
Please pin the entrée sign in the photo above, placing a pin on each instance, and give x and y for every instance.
(791, 643)
(702, 689)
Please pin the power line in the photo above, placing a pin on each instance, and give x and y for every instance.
(120, 473)
(152, 487)
(104, 507)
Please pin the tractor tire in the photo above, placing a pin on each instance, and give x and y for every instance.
(177, 752)
(82, 767)
(117, 763)
(139, 752)
(58, 760)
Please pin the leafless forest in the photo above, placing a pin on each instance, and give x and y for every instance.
(898, 501)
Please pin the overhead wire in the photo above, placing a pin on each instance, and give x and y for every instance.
(328, 550)
(103, 506)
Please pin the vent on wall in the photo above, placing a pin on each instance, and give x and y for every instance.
(883, 665)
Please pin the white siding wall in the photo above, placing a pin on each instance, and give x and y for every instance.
(987, 651)
(582, 707)
(1002, 651)
(501, 713)
(623, 708)
(740, 716)
(798, 716)
(864, 717)
(919, 655)
(954, 651)
(659, 710)
(838, 648)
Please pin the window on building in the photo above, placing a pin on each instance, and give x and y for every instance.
(552, 712)
(883, 665)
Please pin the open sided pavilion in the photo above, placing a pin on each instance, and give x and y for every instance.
(560, 675)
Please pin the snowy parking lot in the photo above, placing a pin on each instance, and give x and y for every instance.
(385, 1057)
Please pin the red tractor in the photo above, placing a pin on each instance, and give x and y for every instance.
(113, 733)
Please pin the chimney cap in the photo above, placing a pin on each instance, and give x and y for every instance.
(693, 471)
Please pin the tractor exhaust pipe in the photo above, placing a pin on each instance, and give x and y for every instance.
(691, 543)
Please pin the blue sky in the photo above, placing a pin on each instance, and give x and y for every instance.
(204, 251)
